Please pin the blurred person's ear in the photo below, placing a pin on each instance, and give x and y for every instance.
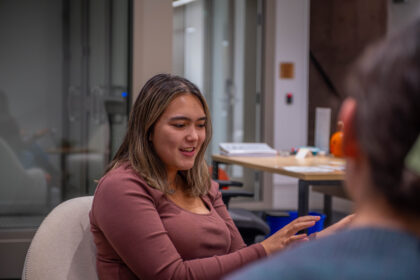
(348, 116)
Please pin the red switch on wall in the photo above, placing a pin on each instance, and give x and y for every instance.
(289, 98)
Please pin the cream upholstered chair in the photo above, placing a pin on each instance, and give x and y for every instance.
(63, 246)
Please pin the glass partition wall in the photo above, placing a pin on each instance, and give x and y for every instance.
(63, 106)
(217, 45)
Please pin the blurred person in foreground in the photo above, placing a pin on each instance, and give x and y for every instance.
(382, 145)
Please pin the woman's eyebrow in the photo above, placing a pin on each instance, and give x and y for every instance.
(184, 118)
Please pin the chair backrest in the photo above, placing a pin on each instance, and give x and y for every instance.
(63, 246)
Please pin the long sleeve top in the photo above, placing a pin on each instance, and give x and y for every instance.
(140, 233)
(362, 253)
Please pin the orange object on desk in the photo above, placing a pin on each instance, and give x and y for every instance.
(336, 142)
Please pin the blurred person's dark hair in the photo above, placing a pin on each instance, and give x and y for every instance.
(386, 85)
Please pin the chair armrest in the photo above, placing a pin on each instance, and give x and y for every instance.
(228, 194)
(228, 183)
(235, 193)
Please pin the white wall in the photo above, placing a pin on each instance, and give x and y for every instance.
(290, 121)
(291, 45)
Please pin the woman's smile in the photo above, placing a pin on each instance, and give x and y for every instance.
(188, 152)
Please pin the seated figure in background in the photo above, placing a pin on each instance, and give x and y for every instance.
(381, 120)
(25, 170)
(27, 150)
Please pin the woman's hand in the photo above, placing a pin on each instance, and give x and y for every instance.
(286, 236)
(341, 224)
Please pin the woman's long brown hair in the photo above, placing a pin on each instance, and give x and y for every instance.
(152, 101)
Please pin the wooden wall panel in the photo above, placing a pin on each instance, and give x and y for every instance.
(339, 31)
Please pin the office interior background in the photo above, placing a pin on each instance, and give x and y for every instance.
(70, 70)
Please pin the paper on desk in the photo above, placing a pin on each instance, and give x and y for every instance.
(314, 169)
(334, 167)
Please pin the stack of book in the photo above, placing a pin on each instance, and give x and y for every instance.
(247, 149)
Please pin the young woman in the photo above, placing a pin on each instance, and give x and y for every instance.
(156, 214)
(382, 145)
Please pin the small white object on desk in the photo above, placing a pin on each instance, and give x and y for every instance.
(303, 153)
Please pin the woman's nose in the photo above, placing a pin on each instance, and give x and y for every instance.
(192, 134)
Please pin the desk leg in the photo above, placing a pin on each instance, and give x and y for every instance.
(327, 209)
(303, 198)
(215, 171)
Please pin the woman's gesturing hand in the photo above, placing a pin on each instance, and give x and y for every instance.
(286, 236)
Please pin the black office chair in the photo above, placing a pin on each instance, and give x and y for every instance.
(249, 224)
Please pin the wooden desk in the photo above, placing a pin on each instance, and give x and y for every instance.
(280, 165)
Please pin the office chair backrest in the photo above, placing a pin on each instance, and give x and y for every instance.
(63, 246)
(250, 226)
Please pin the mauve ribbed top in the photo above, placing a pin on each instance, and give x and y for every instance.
(140, 233)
